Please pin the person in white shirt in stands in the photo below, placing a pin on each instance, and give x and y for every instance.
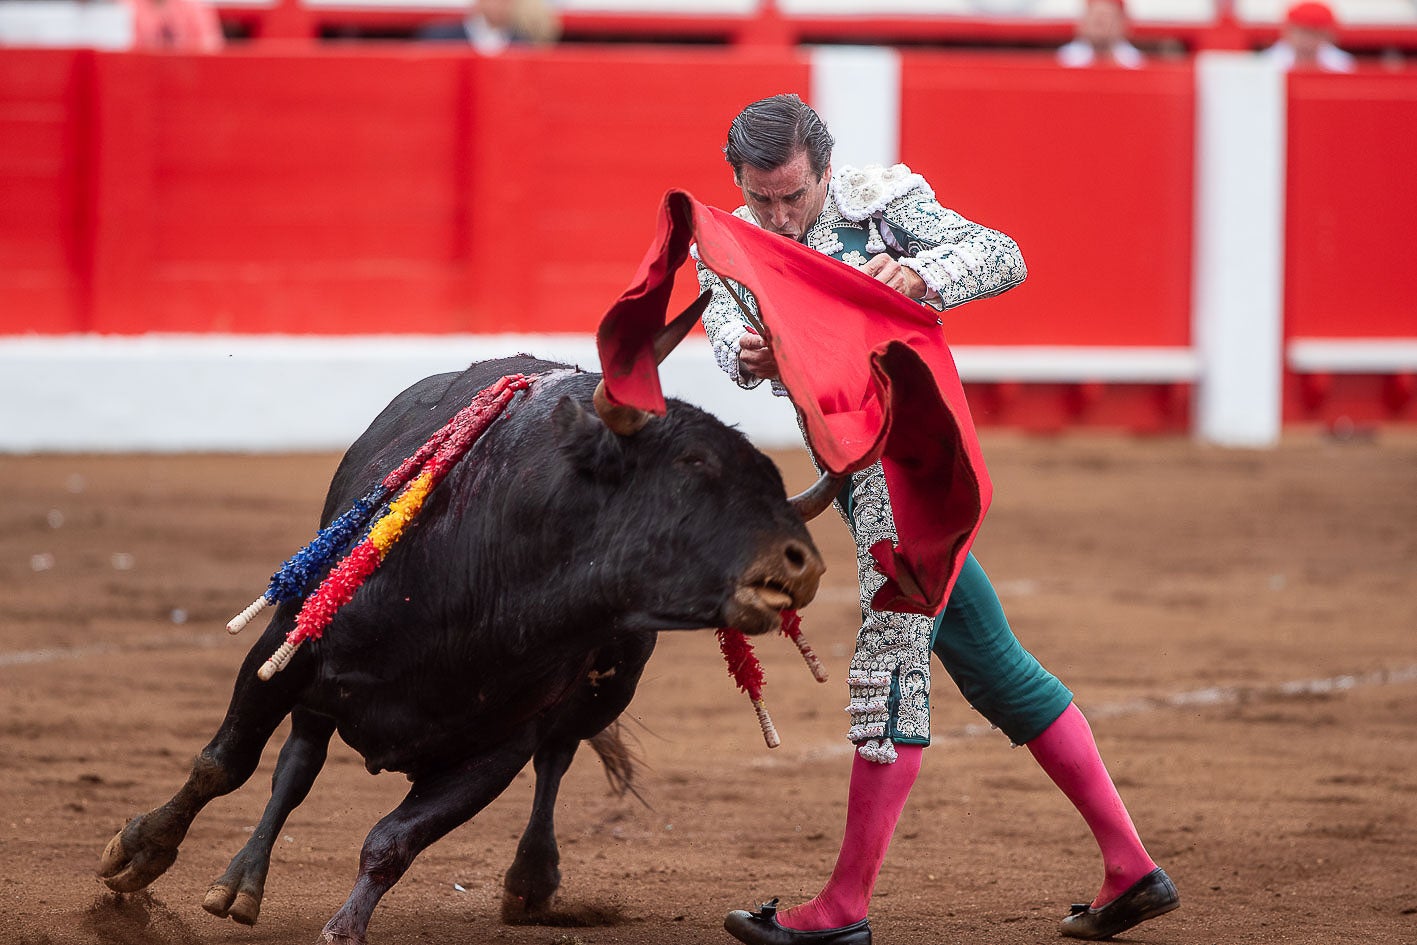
(491, 26)
(1306, 42)
(1101, 38)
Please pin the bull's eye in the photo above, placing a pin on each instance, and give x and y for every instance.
(702, 463)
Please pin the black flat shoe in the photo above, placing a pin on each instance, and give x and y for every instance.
(1152, 895)
(762, 928)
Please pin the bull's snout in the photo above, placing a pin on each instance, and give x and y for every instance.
(803, 568)
(784, 575)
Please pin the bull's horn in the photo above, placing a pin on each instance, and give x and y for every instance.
(628, 421)
(668, 337)
(815, 500)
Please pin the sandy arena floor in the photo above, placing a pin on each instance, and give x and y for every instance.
(1240, 627)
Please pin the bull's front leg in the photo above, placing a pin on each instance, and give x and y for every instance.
(238, 893)
(530, 886)
(535, 874)
(145, 848)
(435, 805)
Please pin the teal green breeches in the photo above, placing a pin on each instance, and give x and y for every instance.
(998, 677)
(1002, 681)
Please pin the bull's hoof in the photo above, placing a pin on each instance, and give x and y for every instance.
(333, 934)
(529, 888)
(139, 853)
(238, 892)
(521, 910)
(229, 902)
(551, 913)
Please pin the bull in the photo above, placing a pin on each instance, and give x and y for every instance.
(510, 624)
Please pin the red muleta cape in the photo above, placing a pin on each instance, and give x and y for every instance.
(867, 369)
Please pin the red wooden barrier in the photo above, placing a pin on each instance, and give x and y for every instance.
(1090, 170)
(45, 203)
(420, 191)
(1350, 229)
(426, 190)
(575, 153)
(1352, 206)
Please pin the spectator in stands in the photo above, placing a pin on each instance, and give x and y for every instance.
(1306, 41)
(1101, 38)
(175, 26)
(493, 25)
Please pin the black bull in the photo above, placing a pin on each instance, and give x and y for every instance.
(510, 623)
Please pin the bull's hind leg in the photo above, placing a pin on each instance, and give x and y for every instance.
(144, 849)
(238, 892)
(529, 888)
(434, 805)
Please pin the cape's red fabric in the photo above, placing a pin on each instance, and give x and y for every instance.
(868, 370)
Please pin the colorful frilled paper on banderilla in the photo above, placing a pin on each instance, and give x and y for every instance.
(868, 370)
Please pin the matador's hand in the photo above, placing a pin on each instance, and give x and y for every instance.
(903, 279)
(755, 356)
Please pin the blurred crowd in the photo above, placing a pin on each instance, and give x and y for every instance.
(186, 25)
(1308, 36)
(1306, 40)
(491, 26)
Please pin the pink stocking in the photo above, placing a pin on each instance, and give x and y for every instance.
(874, 802)
(1067, 751)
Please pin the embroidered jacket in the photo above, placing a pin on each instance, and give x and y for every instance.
(875, 210)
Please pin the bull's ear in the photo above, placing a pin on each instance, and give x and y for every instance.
(584, 440)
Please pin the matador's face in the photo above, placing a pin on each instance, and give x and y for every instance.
(788, 199)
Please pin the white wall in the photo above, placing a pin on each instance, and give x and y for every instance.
(224, 393)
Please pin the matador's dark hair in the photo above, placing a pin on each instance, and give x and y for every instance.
(767, 133)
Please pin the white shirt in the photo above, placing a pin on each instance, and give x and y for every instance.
(1079, 53)
(1330, 57)
(486, 38)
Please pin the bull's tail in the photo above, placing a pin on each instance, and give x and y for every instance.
(622, 764)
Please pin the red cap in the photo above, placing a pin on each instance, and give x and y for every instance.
(1311, 14)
